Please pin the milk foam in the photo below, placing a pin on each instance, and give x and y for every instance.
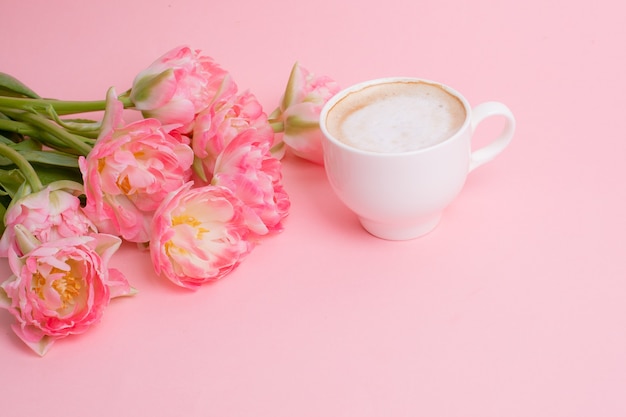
(396, 117)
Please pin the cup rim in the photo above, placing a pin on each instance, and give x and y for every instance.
(386, 80)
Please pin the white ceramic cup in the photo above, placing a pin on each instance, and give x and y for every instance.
(401, 196)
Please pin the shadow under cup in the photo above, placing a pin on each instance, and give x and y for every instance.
(401, 194)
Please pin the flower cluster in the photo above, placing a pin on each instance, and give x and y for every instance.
(196, 180)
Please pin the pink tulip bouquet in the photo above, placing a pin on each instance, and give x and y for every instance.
(195, 179)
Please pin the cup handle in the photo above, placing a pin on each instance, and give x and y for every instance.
(491, 150)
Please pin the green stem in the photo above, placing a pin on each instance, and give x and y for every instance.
(277, 126)
(61, 107)
(24, 166)
(40, 136)
(73, 141)
(17, 127)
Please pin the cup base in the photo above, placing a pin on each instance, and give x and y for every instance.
(391, 231)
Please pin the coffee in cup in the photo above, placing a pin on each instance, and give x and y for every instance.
(395, 117)
(397, 151)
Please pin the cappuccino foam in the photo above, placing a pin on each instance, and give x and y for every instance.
(396, 117)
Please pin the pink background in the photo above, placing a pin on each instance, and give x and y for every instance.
(513, 306)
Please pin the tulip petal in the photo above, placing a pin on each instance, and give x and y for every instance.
(38, 342)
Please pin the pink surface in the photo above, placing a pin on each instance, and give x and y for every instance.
(513, 306)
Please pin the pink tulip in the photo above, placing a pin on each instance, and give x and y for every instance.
(300, 109)
(179, 85)
(52, 213)
(220, 123)
(130, 171)
(247, 167)
(199, 235)
(60, 287)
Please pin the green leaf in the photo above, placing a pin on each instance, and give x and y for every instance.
(27, 145)
(11, 180)
(23, 146)
(4, 139)
(49, 158)
(11, 86)
(48, 174)
(53, 158)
